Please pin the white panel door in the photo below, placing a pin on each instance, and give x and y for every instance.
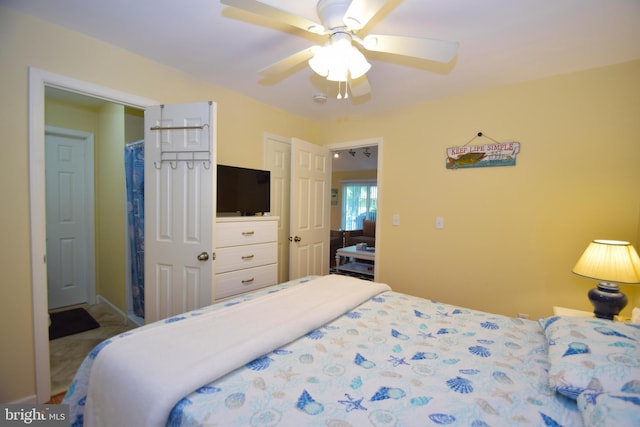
(69, 202)
(278, 161)
(310, 202)
(180, 176)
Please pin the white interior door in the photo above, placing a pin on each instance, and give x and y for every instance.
(69, 207)
(180, 169)
(310, 202)
(278, 161)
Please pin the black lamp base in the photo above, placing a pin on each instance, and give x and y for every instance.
(607, 300)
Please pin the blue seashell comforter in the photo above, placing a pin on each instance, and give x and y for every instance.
(395, 360)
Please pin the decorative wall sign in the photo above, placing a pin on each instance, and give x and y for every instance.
(477, 156)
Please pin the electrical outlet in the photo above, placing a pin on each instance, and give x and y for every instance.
(395, 219)
(439, 223)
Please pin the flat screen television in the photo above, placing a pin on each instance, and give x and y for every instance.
(243, 191)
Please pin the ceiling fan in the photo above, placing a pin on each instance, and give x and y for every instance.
(340, 59)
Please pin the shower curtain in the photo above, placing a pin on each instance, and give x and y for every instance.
(134, 171)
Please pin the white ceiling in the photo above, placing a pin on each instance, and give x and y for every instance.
(501, 42)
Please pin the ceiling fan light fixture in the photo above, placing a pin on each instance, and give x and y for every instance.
(319, 63)
(358, 65)
(338, 73)
(338, 61)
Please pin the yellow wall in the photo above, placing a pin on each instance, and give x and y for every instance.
(512, 234)
(110, 206)
(25, 42)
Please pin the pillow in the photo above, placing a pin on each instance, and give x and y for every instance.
(609, 409)
(592, 354)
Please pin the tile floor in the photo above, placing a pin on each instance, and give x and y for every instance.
(67, 353)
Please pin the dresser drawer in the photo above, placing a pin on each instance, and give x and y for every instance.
(237, 282)
(239, 257)
(245, 233)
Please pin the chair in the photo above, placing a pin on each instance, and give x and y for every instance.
(366, 235)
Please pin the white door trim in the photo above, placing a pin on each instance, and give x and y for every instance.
(368, 143)
(38, 79)
(87, 139)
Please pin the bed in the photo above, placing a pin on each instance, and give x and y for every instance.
(342, 352)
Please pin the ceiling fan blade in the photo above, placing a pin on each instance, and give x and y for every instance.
(430, 49)
(360, 13)
(360, 86)
(288, 62)
(262, 9)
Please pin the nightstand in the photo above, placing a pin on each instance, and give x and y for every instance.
(563, 311)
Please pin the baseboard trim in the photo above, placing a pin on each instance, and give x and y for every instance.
(109, 305)
(136, 319)
(29, 400)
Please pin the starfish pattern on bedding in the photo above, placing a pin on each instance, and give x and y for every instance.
(397, 361)
(426, 335)
(287, 375)
(352, 404)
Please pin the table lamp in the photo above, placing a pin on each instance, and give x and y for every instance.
(611, 262)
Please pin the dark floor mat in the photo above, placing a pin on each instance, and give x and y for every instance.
(69, 322)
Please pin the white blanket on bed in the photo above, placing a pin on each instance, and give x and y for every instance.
(137, 380)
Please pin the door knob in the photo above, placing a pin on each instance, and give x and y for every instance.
(203, 256)
(297, 239)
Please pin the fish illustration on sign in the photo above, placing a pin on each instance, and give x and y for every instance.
(473, 156)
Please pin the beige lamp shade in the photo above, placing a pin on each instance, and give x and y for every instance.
(610, 261)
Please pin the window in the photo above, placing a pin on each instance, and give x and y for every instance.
(359, 202)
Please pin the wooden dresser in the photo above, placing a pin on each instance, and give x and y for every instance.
(246, 254)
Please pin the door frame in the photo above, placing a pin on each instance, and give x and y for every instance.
(378, 141)
(38, 79)
(89, 234)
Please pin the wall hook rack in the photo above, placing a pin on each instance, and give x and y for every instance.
(190, 157)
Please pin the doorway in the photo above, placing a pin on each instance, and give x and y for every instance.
(277, 159)
(38, 81)
(359, 162)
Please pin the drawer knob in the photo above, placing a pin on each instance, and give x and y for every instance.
(248, 233)
(248, 257)
(247, 281)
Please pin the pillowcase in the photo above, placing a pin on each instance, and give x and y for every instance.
(592, 354)
(609, 409)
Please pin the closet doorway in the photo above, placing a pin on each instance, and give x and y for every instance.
(39, 82)
(99, 130)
